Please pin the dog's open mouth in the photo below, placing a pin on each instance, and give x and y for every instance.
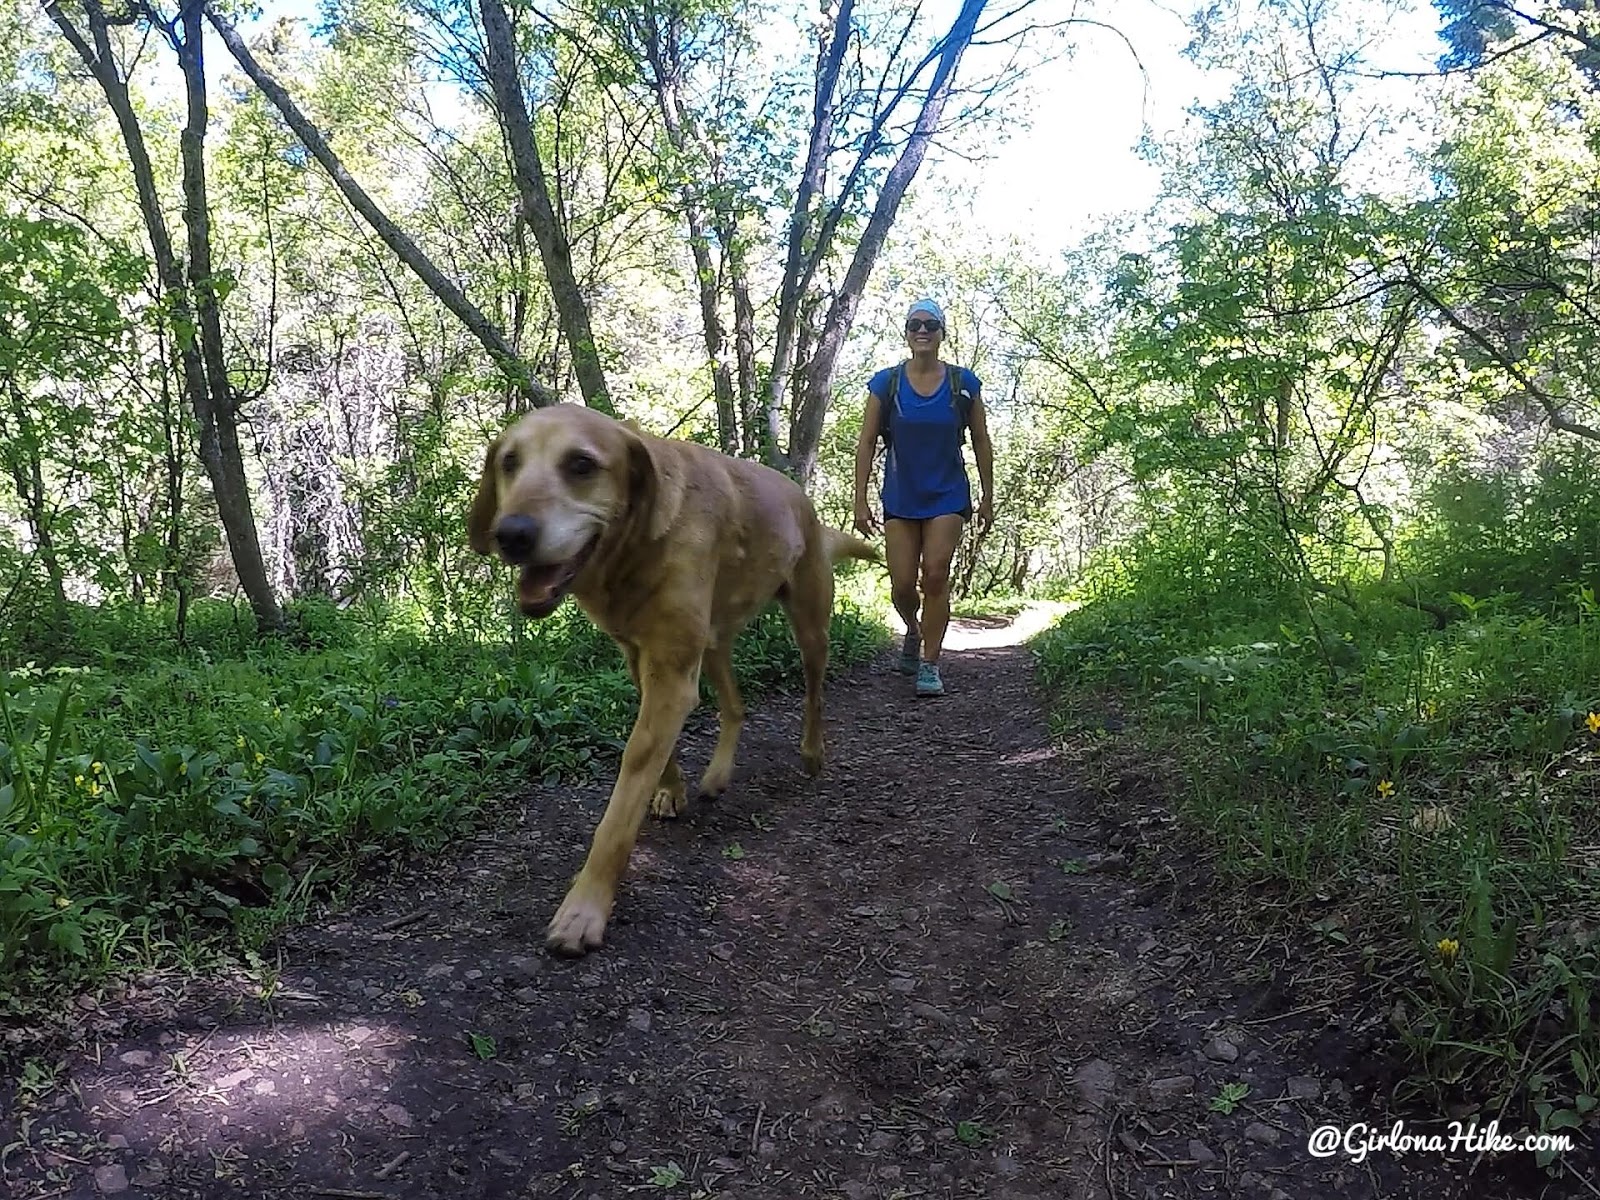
(541, 587)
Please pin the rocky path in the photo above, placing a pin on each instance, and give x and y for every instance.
(930, 973)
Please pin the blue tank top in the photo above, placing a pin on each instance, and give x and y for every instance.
(924, 474)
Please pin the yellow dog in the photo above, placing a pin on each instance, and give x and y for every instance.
(672, 549)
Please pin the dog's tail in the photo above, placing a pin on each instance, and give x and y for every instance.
(841, 545)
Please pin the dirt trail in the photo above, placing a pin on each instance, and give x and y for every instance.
(930, 973)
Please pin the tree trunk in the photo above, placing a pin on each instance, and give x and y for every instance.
(830, 58)
(1019, 564)
(242, 543)
(536, 393)
(571, 307)
(744, 336)
(663, 62)
(807, 423)
(27, 473)
(219, 428)
(175, 572)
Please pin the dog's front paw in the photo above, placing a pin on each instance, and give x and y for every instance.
(578, 927)
(669, 801)
(811, 760)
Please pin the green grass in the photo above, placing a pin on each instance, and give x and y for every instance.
(1423, 799)
(158, 802)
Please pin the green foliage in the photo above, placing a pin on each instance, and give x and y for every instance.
(1424, 787)
(151, 793)
(58, 311)
(1531, 531)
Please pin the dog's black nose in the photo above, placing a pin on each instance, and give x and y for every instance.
(517, 537)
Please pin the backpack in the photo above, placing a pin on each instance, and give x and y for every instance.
(960, 397)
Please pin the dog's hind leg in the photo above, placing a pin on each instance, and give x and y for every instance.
(809, 601)
(672, 793)
(669, 691)
(718, 666)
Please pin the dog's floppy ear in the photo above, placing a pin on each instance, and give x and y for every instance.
(655, 492)
(480, 517)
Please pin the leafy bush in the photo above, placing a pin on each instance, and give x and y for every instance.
(1425, 796)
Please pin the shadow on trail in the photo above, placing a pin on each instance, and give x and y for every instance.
(932, 972)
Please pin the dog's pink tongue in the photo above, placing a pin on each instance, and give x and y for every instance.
(537, 584)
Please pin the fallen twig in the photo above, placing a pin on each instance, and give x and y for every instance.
(1111, 1129)
(411, 918)
(393, 1165)
(1293, 1012)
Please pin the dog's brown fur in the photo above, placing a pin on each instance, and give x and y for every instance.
(685, 546)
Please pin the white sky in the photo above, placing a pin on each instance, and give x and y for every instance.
(1078, 163)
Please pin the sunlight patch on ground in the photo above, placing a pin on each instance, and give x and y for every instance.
(1028, 758)
(988, 633)
(286, 1071)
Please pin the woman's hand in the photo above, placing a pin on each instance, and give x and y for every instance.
(866, 525)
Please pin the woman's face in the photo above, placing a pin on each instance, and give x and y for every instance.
(923, 332)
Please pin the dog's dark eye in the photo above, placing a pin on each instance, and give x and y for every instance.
(581, 464)
(508, 462)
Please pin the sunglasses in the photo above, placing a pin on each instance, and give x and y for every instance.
(915, 326)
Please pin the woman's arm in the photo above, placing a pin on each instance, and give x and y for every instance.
(983, 452)
(866, 446)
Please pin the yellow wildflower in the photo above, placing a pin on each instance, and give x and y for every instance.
(94, 789)
(239, 741)
(1593, 722)
(78, 779)
(1448, 949)
(63, 902)
(260, 758)
(97, 767)
(1385, 788)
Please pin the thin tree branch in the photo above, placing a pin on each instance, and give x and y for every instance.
(510, 363)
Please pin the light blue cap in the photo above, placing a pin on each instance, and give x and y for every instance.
(926, 305)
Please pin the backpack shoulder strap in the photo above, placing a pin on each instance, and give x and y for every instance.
(960, 397)
(891, 405)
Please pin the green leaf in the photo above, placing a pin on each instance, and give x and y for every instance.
(68, 936)
(669, 1176)
(971, 1133)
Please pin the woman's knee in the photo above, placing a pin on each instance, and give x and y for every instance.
(935, 579)
(904, 595)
